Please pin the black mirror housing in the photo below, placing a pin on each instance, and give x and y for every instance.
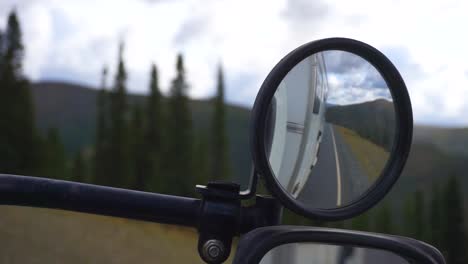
(401, 142)
(257, 243)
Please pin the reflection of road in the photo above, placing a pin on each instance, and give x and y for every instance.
(337, 178)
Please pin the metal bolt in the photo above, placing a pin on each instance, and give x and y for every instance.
(213, 250)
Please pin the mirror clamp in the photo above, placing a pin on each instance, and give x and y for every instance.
(219, 220)
(222, 217)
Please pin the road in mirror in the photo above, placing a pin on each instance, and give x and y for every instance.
(302, 253)
(330, 129)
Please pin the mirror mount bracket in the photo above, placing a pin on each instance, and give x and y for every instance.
(221, 217)
(219, 214)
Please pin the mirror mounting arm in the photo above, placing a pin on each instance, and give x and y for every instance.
(222, 217)
(218, 216)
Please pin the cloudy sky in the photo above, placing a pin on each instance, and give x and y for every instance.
(72, 39)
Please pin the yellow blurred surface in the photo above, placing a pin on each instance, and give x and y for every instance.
(36, 235)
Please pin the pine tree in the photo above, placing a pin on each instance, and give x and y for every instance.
(414, 217)
(154, 113)
(154, 135)
(436, 218)
(101, 153)
(19, 152)
(455, 243)
(383, 220)
(1, 55)
(220, 166)
(180, 136)
(419, 219)
(53, 159)
(79, 172)
(361, 222)
(201, 161)
(120, 169)
(408, 217)
(138, 154)
(14, 49)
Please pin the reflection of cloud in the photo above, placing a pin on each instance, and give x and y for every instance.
(352, 79)
(341, 62)
(354, 95)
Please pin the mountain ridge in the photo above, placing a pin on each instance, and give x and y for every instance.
(435, 154)
(71, 108)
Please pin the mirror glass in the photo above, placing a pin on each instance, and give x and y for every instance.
(307, 253)
(330, 129)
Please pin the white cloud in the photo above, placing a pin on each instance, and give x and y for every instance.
(73, 39)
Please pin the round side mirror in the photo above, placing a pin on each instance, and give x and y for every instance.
(331, 128)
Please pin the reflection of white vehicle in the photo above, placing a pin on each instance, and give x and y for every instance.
(299, 253)
(299, 115)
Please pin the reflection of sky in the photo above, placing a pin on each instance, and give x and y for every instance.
(351, 79)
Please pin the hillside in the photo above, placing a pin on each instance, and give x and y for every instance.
(72, 108)
(449, 140)
(436, 152)
(372, 120)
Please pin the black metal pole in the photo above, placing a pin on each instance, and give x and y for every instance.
(88, 198)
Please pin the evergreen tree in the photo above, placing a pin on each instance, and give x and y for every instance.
(79, 172)
(419, 219)
(14, 50)
(120, 169)
(436, 218)
(53, 159)
(454, 229)
(138, 154)
(154, 135)
(1, 55)
(361, 222)
(408, 217)
(383, 220)
(180, 135)
(219, 142)
(154, 113)
(414, 217)
(19, 152)
(202, 165)
(101, 153)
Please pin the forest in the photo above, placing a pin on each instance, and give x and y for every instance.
(135, 144)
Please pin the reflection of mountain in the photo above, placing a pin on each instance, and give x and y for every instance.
(436, 153)
(72, 109)
(373, 120)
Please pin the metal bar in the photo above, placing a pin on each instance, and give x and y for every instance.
(88, 198)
